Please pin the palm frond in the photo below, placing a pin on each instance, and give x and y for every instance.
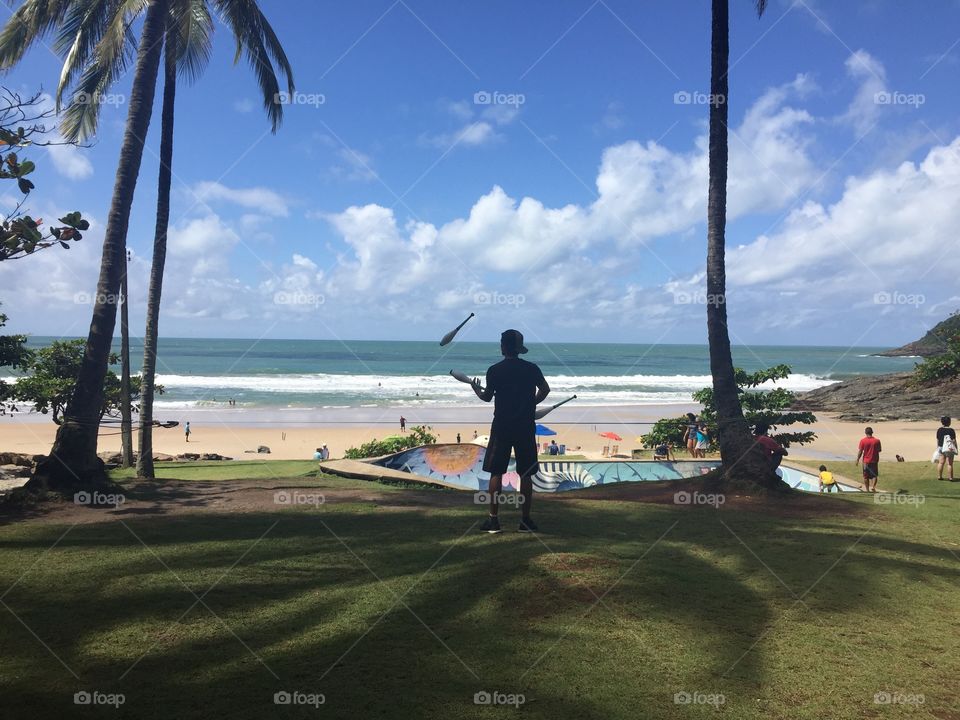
(193, 26)
(28, 24)
(111, 58)
(761, 6)
(79, 34)
(257, 40)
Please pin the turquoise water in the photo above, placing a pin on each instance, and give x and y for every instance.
(326, 373)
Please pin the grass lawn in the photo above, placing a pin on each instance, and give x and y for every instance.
(389, 603)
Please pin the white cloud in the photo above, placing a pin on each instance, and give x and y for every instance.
(354, 165)
(864, 109)
(261, 199)
(70, 161)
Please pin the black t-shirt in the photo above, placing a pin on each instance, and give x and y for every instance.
(514, 384)
(943, 432)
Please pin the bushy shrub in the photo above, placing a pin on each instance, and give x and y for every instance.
(417, 436)
(940, 367)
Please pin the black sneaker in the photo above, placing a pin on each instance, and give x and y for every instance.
(491, 525)
(527, 525)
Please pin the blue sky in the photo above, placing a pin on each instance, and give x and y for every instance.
(542, 164)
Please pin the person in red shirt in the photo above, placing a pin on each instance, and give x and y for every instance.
(775, 451)
(870, 452)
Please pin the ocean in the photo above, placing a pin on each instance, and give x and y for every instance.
(325, 374)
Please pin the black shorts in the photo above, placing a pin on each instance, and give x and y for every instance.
(502, 440)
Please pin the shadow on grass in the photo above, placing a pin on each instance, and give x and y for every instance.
(401, 613)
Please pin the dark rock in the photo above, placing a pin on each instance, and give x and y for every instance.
(263, 449)
(884, 397)
(188, 456)
(214, 456)
(10, 458)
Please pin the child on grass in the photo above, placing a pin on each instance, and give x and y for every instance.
(827, 483)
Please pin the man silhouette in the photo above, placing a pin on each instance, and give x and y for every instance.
(516, 386)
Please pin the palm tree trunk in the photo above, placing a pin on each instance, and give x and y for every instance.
(73, 461)
(126, 429)
(148, 373)
(741, 458)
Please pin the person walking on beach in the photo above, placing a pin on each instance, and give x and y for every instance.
(186, 430)
(947, 446)
(458, 438)
(775, 451)
(870, 452)
(403, 424)
(516, 386)
(690, 434)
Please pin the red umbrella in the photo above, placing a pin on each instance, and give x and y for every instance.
(611, 436)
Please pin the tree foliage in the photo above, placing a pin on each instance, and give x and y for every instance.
(51, 374)
(940, 367)
(21, 126)
(14, 354)
(768, 407)
(418, 435)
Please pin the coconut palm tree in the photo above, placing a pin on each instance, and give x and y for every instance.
(740, 455)
(73, 461)
(188, 45)
(95, 37)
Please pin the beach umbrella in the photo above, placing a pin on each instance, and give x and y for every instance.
(611, 436)
(544, 430)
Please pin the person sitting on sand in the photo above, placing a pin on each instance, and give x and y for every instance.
(827, 483)
(318, 455)
(554, 448)
(869, 450)
(775, 451)
(946, 447)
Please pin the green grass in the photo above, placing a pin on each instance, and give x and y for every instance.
(912, 477)
(226, 470)
(400, 610)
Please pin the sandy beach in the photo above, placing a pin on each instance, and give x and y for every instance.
(294, 434)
